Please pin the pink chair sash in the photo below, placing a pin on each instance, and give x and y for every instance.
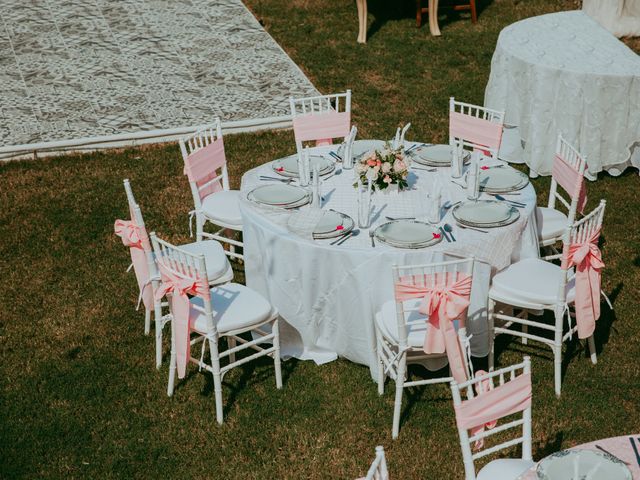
(491, 405)
(475, 130)
(203, 165)
(136, 238)
(587, 259)
(180, 287)
(445, 298)
(570, 179)
(322, 127)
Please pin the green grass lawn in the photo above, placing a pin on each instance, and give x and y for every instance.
(79, 394)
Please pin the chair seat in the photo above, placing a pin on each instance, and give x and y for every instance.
(224, 207)
(530, 282)
(387, 322)
(551, 223)
(504, 469)
(218, 267)
(235, 307)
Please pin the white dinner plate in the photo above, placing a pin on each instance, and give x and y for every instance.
(582, 465)
(482, 212)
(280, 195)
(435, 155)
(502, 180)
(288, 166)
(333, 224)
(407, 234)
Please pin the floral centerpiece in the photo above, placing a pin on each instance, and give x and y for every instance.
(387, 166)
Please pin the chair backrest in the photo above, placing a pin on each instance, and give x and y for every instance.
(205, 162)
(438, 274)
(487, 402)
(187, 266)
(142, 254)
(568, 172)
(476, 127)
(584, 229)
(321, 118)
(378, 469)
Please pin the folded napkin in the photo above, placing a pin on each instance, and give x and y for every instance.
(304, 222)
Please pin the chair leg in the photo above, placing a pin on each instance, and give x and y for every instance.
(172, 369)
(231, 342)
(492, 333)
(592, 350)
(199, 226)
(158, 342)
(397, 405)
(525, 329)
(557, 371)
(276, 353)
(217, 378)
(380, 362)
(147, 321)
(607, 299)
(474, 14)
(418, 13)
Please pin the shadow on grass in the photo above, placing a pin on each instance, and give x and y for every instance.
(553, 445)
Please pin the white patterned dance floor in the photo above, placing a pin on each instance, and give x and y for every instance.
(105, 70)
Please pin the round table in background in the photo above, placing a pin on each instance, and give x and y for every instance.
(328, 295)
(563, 73)
(618, 446)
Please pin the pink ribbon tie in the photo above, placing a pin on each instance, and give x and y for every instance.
(180, 287)
(136, 238)
(587, 258)
(443, 302)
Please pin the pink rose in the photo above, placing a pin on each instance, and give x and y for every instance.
(386, 179)
(399, 166)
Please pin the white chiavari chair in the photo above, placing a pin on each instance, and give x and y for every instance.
(487, 403)
(203, 316)
(568, 174)
(535, 285)
(404, 334)
(205, 165)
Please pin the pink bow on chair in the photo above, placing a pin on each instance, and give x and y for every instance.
(443, 304)
(180, 287)
(488, 406)
(136, 239)
(587, 259)
(481, 388)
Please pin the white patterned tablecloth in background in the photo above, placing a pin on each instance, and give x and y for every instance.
(564, 73)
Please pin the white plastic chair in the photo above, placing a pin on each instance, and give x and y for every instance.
(378, 469)
(320, 119)
(476, 127)
(225, 311)
(401, 329)
(535, 285)
(219, 269)
(206, 168)
(568, 173)
(505, 400)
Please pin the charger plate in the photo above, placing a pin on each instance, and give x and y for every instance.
(502, 180)
(588, 464)
(288, 166)
(435, 155)
(279, 195)
(407, 234)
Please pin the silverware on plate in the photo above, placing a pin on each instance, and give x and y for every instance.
(449, 229)
(372, 235)
(609, 453)
(471, 228)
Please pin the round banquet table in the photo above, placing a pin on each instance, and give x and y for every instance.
(328, 295)
(620, 17)
(618, 446)
(564, 73)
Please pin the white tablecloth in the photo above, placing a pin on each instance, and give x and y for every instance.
(620, 17)
(328, 295)
(564, 73)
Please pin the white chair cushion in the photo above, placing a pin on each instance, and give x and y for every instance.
(225, 207)
(387, 322)
(551, 223)
(531, 280)
(218, 267)
(234, 307)
(504, 469)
